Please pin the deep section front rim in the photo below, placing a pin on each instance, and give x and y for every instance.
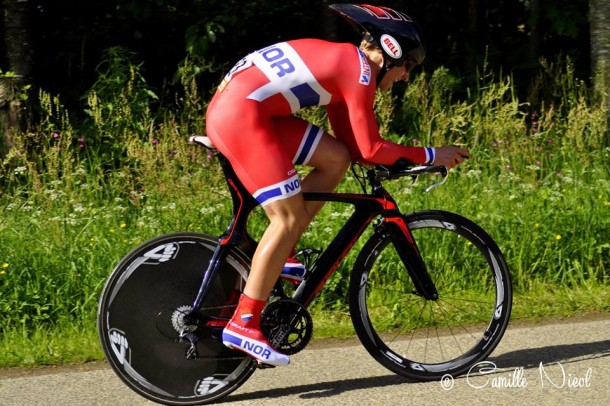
(427, 339)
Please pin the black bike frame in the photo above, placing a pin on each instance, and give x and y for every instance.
(367, 207)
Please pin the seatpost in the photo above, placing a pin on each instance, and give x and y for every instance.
(235, 235)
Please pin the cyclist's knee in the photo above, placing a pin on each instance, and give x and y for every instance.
(341, 157)
(339, 162)
(332, 156)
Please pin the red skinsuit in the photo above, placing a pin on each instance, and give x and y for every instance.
(250, 118)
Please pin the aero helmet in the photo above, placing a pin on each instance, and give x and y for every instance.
(399, 37)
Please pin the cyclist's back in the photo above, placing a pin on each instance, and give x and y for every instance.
(289, 76)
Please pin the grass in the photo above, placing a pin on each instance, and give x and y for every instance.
(75, 199)
(65, 344)
(539, 302)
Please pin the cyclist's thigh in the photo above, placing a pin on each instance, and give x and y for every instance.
(251, 142)
(308, 144)
(298, 137)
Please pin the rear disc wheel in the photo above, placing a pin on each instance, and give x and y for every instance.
(145, 328)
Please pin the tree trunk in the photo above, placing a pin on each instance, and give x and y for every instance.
(599, 19)
(18, 54)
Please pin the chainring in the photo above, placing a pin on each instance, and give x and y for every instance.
(287, 325)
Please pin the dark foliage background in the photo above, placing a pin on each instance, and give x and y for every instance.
(69, 36)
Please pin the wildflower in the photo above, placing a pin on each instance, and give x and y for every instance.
(558, 237)
(55, 136)
(534, 123)
(81, 143)
(123, 225)
(415, 141)
(155, 141)
(5, 265)
(606, 203)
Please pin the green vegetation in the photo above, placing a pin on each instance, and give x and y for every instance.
(75, 199)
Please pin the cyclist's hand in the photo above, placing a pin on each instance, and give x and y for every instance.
(450, 156)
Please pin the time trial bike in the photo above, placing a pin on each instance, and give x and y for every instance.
(429, 294)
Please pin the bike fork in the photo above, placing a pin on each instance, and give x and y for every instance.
(410, 256)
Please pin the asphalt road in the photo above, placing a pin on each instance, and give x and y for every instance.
(553, 362)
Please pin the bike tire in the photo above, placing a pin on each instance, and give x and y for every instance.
(421, 339)
(140, 317)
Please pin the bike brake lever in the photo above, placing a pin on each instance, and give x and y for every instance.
(444, 173)
(418, 170)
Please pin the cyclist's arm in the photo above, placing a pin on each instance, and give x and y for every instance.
(353, 119)
(355, 125)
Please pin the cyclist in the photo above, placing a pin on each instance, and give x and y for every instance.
(250, 120)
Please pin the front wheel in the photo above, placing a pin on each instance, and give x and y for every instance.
(144, 327)
(426, 339)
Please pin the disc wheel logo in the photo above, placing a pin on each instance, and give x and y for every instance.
(120, 346)
(162, 253)
(209, 385)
